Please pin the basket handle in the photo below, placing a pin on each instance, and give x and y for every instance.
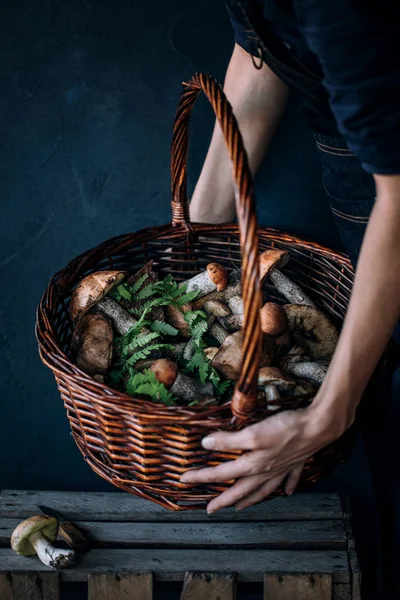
(245, 394)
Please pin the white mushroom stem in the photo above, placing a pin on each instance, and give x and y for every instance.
(316, 371)
(202, 283)
(272, 393)
(289, 290)
(236, 305)
(57, 558)
(232, 323)
(122, 320)
(218, 333)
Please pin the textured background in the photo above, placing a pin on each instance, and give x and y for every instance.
(88, 90)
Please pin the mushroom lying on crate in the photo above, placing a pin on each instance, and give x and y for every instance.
(36, 535)
(181, 343)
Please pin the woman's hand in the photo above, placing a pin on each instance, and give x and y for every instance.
(277, 448)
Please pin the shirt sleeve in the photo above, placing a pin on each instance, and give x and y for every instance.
(357, 44)
(243, 35)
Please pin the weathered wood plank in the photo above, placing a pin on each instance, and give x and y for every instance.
(342, 591)
(98, 506)
(29, 586)
(298, 587)
(250, 565)
(353, 559)
(6, 592)
(120, 586)
(209, 586)
(286, 535)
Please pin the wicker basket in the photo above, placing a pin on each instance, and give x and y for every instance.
(144, 447)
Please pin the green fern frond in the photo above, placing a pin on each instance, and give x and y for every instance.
(163, 328)
(138, 284)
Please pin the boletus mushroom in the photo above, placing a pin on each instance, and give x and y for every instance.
(312, 329)
(92, 344)
(217, 308)
(36, 535)
(273, 319)
(315, 371)
(233, 288)
(273, 381)
(182, 386)
(215, 277)
(91, 290)
(271, 261)
(228, 359)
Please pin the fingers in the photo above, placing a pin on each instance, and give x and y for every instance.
(294, 478)
(262, 492)
(239, 490)
(230, 440)
(241, 467)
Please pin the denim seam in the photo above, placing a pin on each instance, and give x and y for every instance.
(321, 145)
(354, 219)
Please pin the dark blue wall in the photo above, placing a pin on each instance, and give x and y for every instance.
(88, 90)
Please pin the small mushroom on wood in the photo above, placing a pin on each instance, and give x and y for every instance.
(92, 344)
(273, 380)
(273, 319)
(234, 288)
(271, 261)
(312, 329)
(91, 290)
(316, 371)
(182, 386)
(215, 277)
(228, 359)
(36, 535)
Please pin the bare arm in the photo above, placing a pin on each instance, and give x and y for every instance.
(258, 99)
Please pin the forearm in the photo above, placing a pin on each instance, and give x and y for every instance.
(258, 99)
(374, 307)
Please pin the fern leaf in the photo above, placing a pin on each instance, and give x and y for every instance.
(163, 328)
(199, 329)
(140, 341)
(124, 292)
(203, 371)
(146, 292)
(138, 284)
(186, 298)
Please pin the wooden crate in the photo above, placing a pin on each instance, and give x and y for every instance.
(299, 547)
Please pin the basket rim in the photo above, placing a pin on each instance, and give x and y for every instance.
(57, 360)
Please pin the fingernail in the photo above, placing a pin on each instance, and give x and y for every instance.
(289, 491)
(210, 511)
(208, 442)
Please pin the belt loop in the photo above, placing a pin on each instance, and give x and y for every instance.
(259, 65)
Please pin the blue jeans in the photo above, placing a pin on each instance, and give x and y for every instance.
(351, 193)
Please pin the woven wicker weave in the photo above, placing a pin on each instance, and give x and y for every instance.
(144, 447)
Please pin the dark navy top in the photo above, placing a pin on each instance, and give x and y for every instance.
(344, 55)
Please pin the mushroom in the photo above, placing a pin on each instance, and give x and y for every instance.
(283, 343)
(303, 387)
(228, 359)
(215, 277)
(147, 269)
(92, 344)
(36, 536)
(273, 380)
(175, 317)
(219, 333)
(273, 319)
(234, 288)
(236, 305)
(91, 290)
(182, 386)
(272, 259)
(312, 329)
(210, 352)
(217, 308)
(270, 263)
(293, 355)
(232, 323)
(316, 371)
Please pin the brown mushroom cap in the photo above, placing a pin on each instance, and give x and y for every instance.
(92, 344)
(165, 371)
(217, 308)
(273, 319)
(276, 377)
(228, 359)
(218, 275)
(210, 352)
(175, 318)
(47, 526)
(270, 259)
(312, 329)
(91, 290)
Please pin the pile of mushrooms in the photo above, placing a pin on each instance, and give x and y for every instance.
(298, 338)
